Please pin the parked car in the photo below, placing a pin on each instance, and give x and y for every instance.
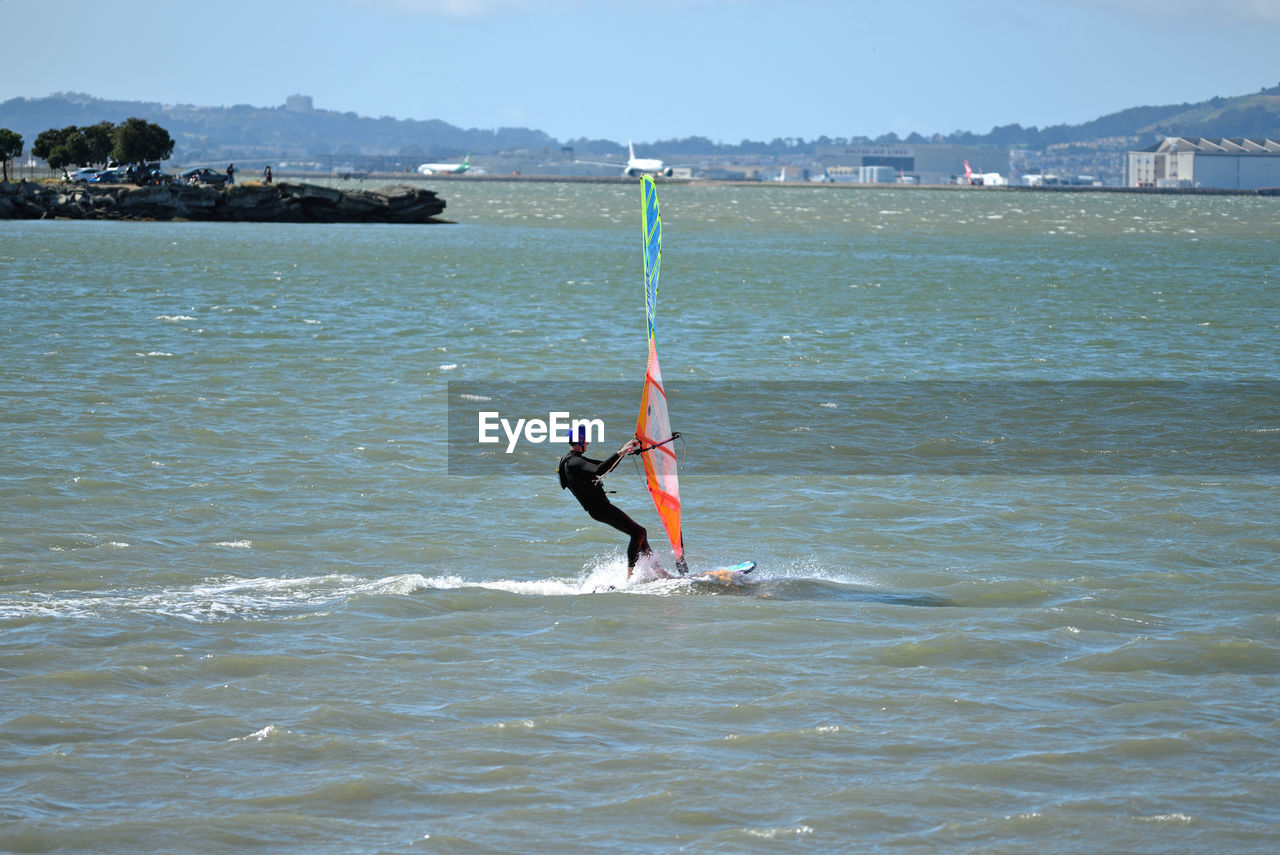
(202, 175)
(109, 176)
(152, 174)
(82, 175)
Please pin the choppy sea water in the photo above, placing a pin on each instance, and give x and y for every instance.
(247, 603)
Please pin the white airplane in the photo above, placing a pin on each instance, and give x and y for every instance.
(454, 168)
(635, 166)
(975, 179)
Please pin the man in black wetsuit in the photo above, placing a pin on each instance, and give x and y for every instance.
(581, 476)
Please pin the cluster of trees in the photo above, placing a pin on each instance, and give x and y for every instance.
(131, 141)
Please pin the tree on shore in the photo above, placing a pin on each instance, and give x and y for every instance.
(138, 141)
(10, 147)
(98, 142)
(61, 147)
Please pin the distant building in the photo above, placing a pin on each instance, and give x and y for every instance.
(1048, 179)
(299, 104)
(735, 172)
(926, 163)
(1229, 164)
(861, 174)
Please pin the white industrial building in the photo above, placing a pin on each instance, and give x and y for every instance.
(1227, 164)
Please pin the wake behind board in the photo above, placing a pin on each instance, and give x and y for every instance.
(732, 575)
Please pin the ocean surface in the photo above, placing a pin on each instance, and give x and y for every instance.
(1009, 463)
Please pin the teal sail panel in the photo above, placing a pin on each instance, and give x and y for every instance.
(651, 223)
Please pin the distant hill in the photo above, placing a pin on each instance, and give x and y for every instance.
(293, 131)
(1247, 116)
(1241, 116)
(298, 131)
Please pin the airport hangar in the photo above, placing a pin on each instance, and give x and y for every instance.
(1228, 164)
(925, 163)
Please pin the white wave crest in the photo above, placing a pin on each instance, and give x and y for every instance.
(258, 735)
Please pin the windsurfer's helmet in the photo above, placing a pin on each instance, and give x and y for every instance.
(578, 435)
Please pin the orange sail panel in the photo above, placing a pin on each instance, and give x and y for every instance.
(653, 429)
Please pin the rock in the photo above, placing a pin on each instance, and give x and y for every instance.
(197, 203)
(254, 203)
(357, 205)
(285, 202)
(310, 192)
(409, 204)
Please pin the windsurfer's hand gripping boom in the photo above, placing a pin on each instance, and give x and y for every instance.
(628, 448)
(639, 447)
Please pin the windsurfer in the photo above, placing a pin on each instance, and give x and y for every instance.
(581, 476)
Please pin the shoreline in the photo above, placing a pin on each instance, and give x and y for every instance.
(841, 185)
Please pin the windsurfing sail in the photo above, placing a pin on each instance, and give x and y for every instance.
(653, 428)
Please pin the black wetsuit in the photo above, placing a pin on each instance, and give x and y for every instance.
(580, 475)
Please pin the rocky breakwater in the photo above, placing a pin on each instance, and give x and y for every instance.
(258, 203)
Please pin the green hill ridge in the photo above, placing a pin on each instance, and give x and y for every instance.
(299, 131)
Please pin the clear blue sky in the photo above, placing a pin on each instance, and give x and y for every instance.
(655, 69)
